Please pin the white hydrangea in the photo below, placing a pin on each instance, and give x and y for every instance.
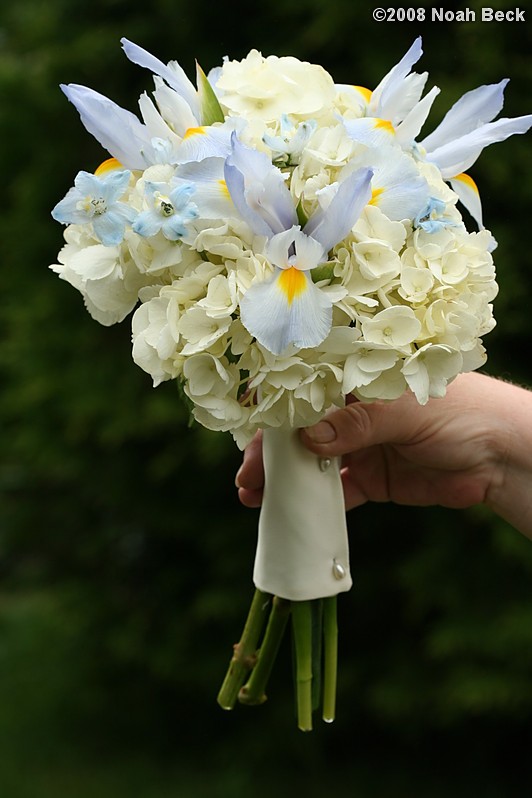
(267, 87)
(313, 201)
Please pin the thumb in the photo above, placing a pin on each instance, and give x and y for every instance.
(359, 425)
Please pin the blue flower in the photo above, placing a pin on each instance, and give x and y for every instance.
(94, 200)
(289, 145)
(169, 210)
(432, 218)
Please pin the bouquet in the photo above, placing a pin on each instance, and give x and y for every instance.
(283, 242)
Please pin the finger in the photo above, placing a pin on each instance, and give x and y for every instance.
(359, 425)
(353, 495)
(250, 475)
(250, 498)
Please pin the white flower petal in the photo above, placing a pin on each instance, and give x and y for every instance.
(472, 110)
(173, 74)
(288, 309)
(458, 155)
(430, 369)
(119, 131)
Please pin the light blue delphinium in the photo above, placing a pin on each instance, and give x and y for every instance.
(288, 146)
(169, 211)
(432, 218)
(95, 200)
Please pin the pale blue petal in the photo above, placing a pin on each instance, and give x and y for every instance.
(383, 94)
(114, 185)
(119, 131)
(180, 196)
(370, 132)
(457, 156)
(126, 211)
(237, 189)
(173, 74)
(276, 323)
(331, 225)
(88, 184)
(148, 223)
(431, 218)
(211, 197)
(66, 211)
(402, 191)
(258, 190)
(109, 227)
(205, 142)
(409, 128)
(174, 228)
(472, 110)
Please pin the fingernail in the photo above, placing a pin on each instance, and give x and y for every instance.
(237, 478)
(323, 432)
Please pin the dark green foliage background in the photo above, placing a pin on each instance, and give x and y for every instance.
(125, 558)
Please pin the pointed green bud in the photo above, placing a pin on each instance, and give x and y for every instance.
(210, 108)
(302, 217)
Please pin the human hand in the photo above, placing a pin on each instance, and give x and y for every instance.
(455, 452)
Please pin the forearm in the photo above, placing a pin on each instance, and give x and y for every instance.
(510, 492)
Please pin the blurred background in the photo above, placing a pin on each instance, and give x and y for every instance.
(125, 557)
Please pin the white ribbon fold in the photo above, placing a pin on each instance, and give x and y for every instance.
(302, 549)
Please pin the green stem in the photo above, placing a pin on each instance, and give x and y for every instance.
(330, 658)
(254, 691)
(317, 651)
(302, 628)
(244, 656)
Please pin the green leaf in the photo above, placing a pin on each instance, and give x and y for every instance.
(210, 108)
(323, 272)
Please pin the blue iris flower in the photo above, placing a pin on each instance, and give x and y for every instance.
(95, 200)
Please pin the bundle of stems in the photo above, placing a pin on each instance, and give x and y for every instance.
(315, 646)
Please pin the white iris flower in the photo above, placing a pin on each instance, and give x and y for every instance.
(289, 309)
(181, 113)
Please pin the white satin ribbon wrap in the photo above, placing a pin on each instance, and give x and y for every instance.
(302, 548)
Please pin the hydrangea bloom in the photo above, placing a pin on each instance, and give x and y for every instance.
(286, 240)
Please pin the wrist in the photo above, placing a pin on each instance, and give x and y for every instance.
(510, 491)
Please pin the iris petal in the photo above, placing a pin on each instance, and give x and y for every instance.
(331, 225)
(473, 109)
(119, 131)
(458, 155)
(286, 310)
(469, 196)
(173, 74)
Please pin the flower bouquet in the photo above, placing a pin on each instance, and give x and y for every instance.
(283, 242)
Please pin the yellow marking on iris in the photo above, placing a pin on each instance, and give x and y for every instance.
(224, 189)
(366, 93)
(108, 166)
(194, 131)
(384, 124)
(375, 194)
(293, 283)
(468, 181)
